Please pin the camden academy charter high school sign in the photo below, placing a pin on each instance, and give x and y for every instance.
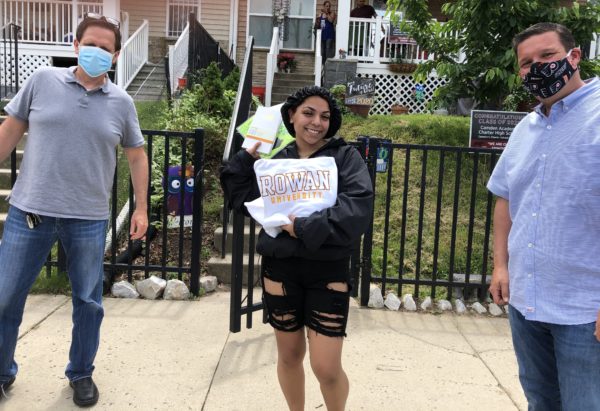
(491, 129)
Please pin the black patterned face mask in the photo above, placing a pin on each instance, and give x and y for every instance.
(546, 79)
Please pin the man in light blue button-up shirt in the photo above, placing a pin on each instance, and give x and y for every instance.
(547, 226)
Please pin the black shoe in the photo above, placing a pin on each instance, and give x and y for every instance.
(85, 392)
(4, 387)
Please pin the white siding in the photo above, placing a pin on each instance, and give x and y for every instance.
(214, 17)
(155, 11)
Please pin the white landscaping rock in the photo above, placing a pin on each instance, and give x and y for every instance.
(460, 306)
(444, 305)
(495, 309)
(392, 302)
(209, 283)
(409, 302)
(151, 288)
(375, 298)
(123, 289)
(426, 304)
(176, 290)
(480, 309)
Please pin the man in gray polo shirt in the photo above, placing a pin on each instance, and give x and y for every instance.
(75, 118)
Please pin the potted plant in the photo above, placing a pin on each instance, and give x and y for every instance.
(286, 62)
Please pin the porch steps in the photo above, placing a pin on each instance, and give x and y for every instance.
(285, 84)
(221, 267)
(150, 84)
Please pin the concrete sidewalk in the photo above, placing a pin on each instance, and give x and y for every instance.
(167, 355)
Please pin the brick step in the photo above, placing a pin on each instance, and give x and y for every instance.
(218, 238)
(221, 268)
(150, 82)
(305, 77)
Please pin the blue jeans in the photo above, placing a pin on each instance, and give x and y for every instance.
(23, 252)
(559, 365)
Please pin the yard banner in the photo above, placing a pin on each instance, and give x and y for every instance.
(292, 187)
(491, 129)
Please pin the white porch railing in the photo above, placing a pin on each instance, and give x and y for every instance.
(178, 58)
(133, 56)
(368, 41)
(51, 22)
(318, 59)
(271, 65)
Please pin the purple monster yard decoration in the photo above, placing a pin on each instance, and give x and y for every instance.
(175, 184)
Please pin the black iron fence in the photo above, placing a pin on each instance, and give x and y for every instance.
(204, 49)
(430, 231)
(9, 72)
(174, 239)
(432, 221)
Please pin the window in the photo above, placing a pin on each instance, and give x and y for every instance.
(260, 16)
(300, 25)
(300, 22)
(177, 15)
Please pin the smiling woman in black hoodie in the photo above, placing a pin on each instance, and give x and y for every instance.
(305, 276)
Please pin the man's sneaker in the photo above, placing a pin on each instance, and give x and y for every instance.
(85, 392)
(5, 386)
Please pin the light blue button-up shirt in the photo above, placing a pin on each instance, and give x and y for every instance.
(550, 175)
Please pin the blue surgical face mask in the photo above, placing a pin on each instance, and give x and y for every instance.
(94, 61)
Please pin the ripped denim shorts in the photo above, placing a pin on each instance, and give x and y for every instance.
(298, 292)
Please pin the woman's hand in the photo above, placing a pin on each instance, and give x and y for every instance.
(252, 150)
(290, 227)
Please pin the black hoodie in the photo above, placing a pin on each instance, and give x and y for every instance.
(329, 234)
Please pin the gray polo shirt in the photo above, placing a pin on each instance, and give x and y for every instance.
(70, 155)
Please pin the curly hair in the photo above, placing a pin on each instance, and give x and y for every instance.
(293, 101)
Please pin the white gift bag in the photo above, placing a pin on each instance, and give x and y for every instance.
(296, 187)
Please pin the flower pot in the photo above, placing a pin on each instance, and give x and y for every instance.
(396, 110)
(259, 91)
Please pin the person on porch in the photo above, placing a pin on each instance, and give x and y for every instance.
(326, 22)
(363, 10)
(75, 118)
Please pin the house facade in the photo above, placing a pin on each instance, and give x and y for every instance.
(47, 32)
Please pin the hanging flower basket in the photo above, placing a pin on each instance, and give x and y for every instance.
(402, 67)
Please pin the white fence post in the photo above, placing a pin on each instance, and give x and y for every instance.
(271, 65)
(318, 59)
